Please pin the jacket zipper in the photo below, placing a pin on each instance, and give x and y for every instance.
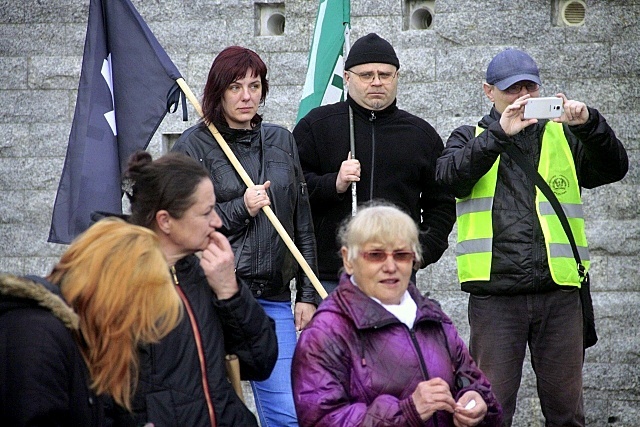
(373, 152)
(536, 229)
(423, 367)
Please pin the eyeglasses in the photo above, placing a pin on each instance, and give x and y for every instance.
(379, 256)
(516, 88)
(369, 76)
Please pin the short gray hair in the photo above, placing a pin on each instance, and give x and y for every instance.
(381, 223)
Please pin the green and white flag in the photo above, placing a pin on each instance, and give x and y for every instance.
(324, 83)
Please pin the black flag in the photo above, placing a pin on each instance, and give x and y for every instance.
(122, 99)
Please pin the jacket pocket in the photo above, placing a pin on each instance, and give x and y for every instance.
(226, 182)
(280, 174)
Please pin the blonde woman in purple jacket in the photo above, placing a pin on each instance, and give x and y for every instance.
(378, 353)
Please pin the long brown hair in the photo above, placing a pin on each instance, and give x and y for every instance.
(116, 279)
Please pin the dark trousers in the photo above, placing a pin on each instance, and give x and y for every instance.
(551, 324)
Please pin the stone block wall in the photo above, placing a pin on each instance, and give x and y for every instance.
(442, 69)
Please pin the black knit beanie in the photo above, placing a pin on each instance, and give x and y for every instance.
(371, 48)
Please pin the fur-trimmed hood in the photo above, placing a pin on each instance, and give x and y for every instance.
(18, 292)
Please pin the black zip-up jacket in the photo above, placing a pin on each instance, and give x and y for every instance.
(170, 391)
(267, 152)
(397, 153)
(519, 262)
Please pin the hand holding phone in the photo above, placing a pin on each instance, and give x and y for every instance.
(543, 108)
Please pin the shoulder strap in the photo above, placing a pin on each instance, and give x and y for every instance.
(518, 156)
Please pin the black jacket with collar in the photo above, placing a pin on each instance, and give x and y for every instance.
(519, 263)
(170, 391)
(397, 153)
(43, 377)
(264, 263)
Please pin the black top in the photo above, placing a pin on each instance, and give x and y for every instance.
(397, 153)
(170, 390)
(43, 377)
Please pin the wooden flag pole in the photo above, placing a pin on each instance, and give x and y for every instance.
(247, 180)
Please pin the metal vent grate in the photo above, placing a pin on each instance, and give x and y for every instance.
(418, 14)
(270, 19)
(573, 13)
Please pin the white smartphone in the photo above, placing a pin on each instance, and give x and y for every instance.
(543, 108)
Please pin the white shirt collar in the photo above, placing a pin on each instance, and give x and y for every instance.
(406, 311)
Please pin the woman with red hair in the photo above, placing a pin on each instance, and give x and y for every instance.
(73, 336)
(236, 86)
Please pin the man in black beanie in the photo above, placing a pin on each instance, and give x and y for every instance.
(395, 157)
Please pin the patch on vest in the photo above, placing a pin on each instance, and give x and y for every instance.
(559, 184)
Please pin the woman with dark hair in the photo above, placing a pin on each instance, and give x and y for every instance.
(237, 85)
(73, 336)
(183, 379)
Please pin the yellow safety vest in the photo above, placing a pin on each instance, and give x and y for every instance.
(475, 226)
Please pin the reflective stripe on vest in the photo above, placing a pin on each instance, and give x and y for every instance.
(559, 171)
(475, 233)
(475, 228)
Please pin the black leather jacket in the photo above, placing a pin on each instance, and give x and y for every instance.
(267, 152)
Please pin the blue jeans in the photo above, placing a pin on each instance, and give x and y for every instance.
(274, 396)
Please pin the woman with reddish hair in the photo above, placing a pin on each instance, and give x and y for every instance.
(236, 87)
(73, 336)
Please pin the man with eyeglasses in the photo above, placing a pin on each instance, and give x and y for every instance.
(395, 156)
(513, 256)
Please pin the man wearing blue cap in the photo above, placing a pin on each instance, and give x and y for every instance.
(513, 255)
(395, 157)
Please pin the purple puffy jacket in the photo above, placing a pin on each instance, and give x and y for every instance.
(356, 364)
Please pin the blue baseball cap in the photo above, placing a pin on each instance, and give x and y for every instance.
(512, 66)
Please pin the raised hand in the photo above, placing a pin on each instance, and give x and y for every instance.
(512, 120)
(575, 112)
(218, 264)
